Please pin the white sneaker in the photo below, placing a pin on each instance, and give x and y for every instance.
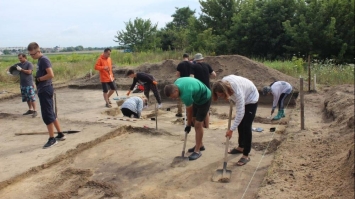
(160, 106)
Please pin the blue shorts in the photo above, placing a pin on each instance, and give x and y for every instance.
(45, 96)
(28, 93)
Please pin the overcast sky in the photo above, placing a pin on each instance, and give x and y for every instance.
(90, 23)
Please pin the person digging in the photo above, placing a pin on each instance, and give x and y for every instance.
(279, 90)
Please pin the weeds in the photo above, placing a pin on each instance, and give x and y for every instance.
(71, 66)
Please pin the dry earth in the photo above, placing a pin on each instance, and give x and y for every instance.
(113, 158)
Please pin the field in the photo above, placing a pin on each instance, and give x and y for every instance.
(114, 158)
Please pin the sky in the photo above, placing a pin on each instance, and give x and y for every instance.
(70, 23)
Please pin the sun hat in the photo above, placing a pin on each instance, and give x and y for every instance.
(198, 56)
(266, 90)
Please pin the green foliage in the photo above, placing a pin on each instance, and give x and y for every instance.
(140, 35)
(298, 65)
(180, 18)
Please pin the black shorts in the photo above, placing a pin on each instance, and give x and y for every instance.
(200, 111)
(106, 85)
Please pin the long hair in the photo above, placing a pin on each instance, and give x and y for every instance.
(221, 87)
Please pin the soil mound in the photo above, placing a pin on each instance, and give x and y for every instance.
(165, 72)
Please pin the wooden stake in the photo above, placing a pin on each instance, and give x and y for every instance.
(302, 103)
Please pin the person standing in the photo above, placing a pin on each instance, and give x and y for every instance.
(149, 84)
(43, 80)
(183, 69)
(104, 66)
(26, 84)
(279, 90)
(203, 72)
(197, 99)
(133, 106)
(245, 96)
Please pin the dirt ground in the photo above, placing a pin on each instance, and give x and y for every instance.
(114, 158)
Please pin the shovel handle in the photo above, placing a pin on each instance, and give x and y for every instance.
(227, 138)
(183, 148)
(55, 105)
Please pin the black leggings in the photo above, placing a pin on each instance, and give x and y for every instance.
(244, 128)
(281, 101)
(148, 87)
(127, 112)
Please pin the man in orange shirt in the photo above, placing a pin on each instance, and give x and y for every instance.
(104, 66)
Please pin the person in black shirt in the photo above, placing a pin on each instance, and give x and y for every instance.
(203, 72)
(183, 69)
(149, 84)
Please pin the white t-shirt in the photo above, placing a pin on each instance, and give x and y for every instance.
(245, 93)
(277, 89)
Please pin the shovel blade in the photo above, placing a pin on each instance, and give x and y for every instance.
(179, 161)
(219, 176)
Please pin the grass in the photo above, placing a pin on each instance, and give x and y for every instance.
(68, 66)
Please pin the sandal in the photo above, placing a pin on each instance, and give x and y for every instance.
(109, 101)
(108, 105)
(243, 161)
(234, 151)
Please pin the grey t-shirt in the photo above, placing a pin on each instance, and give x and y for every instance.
(26, 79)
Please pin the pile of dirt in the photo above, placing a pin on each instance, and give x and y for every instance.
(165, 72)
(317, 162)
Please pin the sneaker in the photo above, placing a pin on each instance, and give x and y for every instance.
(202, 148)
(195, 156)
(51, 142)
(60, 137)
(178, 115)
(28, 112)
(34, 114)
(160, 106)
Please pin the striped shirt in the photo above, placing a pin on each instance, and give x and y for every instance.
(245, 93)
(277, 89)
(135, 104)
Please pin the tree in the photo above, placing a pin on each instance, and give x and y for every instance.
(217, 14)
(323, 28)
(174, 35)
(257, 29)
(139, 35)
(79, 48)
(180, 18)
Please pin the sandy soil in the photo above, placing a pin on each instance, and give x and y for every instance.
(114, 158)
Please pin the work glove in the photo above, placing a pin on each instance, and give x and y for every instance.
(129, 92)
(18, 68)
(155, 82)
(187, 129)
(8, 72)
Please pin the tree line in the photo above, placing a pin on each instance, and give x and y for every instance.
(267, 29)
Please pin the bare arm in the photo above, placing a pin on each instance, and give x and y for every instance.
(213, 75)
(48, 76)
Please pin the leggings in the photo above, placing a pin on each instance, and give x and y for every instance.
(281, 101)
(244, 128)
(148, 87)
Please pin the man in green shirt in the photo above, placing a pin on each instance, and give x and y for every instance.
(197, 98)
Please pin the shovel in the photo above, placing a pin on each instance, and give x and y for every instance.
(181, 160)
(45, 133)
(223, 175)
